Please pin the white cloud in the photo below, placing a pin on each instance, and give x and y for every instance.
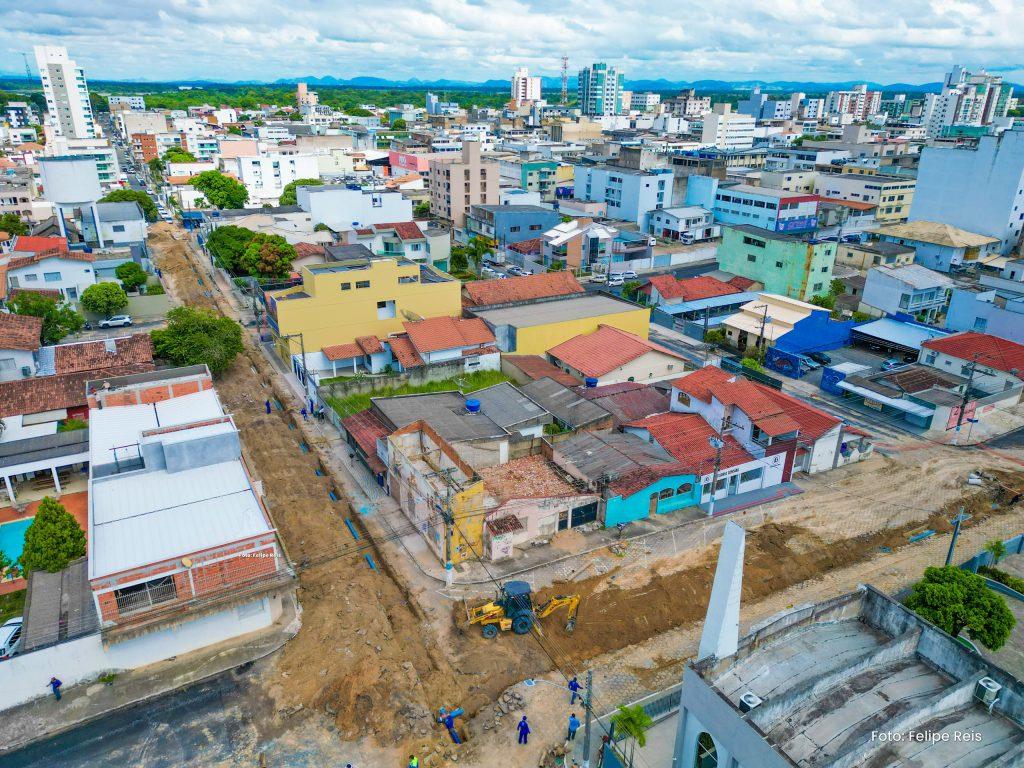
(911, 41)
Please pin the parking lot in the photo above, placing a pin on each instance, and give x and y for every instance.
(859, 354)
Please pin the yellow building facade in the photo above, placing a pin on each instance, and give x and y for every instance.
(340, 301)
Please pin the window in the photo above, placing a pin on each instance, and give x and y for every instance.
(666, 493)
(31, 278)
(514, 229)
(346, 286)
(817, 287)
(141, 597)
(751, 257)
(51, 277)
(753, 474)
(684, 488)
(778, 264)
(753, 241)
(385, 309)
(682, 398)
(362, 284)
(824, 269)
(118, 227)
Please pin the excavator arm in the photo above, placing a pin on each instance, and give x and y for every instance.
(571, 602)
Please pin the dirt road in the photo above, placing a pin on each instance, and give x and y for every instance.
(378, 650)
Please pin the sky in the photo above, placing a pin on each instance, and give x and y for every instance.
(885, 41)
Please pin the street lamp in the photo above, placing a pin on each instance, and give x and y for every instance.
(587, 702)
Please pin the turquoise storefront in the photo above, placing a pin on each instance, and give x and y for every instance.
(668, 494)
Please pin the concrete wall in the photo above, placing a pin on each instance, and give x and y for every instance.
(538, 339)
(83, 659)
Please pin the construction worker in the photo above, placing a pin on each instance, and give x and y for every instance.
(524, 731)
(268, 407)
(574, 725)
(575, 687)
(414, 762)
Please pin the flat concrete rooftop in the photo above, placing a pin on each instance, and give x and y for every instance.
(542, 313)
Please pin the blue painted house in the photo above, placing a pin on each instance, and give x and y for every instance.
(510, 223)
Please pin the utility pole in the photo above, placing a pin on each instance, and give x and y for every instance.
(967, 393)
(718, 444)
(956, 534)
(588, 702)
(764, 322)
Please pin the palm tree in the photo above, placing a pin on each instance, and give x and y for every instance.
(634, 722)
(997, 549)
(477, 248)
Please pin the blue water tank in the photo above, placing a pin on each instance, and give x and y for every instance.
(473, 406)
(590, 382)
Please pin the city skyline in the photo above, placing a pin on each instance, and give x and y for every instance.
(446, 39)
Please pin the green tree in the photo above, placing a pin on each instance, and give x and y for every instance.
(631, 290)
(157, 168)
(268, 256)
(458, 261)
(178, 154)
(634, 722)
(196, 336)
(234, 130)
(477, 248)
(860, 317)
(422, 210)
(53, 539)
(288, 193)
(104, 298)
(358, 112)
(131, 275)
(715, 336)
(954, 600)
(58, 319)
(824, 300)
(997, 549)
(399, 125)
(133, 196)
(12, 224)
(836, 287)
(321, 227)
(221, 191)
(227, 244)
(752, 363)
(295, 117)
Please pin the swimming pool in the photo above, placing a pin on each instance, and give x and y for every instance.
(12, 537)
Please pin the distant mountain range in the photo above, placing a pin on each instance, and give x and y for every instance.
(549, 84)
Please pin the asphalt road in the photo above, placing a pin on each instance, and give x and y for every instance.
(1013, 439)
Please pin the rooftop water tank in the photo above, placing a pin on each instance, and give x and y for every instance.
(590, 382)
(472, 406)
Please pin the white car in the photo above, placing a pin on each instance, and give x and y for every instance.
(488, 271)
(117, 321)
(616, 281)
(629, 274)
(10, 637)
(598, 278)
(616, 276)
(525, 272)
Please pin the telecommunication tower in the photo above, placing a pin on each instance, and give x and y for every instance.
(565, 80)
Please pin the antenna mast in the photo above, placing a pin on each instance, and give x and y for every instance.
(28, 69)
(565, 80)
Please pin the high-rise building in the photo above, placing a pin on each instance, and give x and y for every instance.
(966, 99)
(644, 102)
(525, 88)
(859, 103)
(980, 190)
(725, 129)
(305, 97)
(67, 95)
(688, 104)
(459, 181)
(599, 90)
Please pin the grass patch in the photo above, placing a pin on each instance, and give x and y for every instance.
(470, 382)
(12, 605)
(70, 425)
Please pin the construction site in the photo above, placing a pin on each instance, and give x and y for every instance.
(383, 645)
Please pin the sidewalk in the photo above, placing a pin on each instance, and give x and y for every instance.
(46, 717)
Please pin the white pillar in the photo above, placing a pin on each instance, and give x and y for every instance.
(10, 489)
(56, 479)
(722, 625)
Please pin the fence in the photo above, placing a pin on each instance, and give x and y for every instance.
(733, 365)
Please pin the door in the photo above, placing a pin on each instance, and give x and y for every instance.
(563, 519)
(652, 508)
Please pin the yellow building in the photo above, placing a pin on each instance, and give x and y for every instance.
(426, 477)
(339, 301)
(532, 329)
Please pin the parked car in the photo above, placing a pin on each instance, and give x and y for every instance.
(888, 365)
(515, 269)
(488, 271)
(613, 281)
(910, 357)
(820, 357)
(629, 274)
(598, 278)
(117, 321)
(525, 272)
(808, 363)
(615, 276)
(10, 637)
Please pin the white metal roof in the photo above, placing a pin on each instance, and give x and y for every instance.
(149, 517)
(110, 428)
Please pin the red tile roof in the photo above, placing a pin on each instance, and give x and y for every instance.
(506, 524)
(342, 351)
(628, 400)
(856, 205)
(604, 350)
(93, 355)
(35, 244)
(308, 249)
(50, 393)
(404, 352)
(533, 245)
(992, 351)
(772, 411)
(436, 333)
(743, 283)
(364, 427)
(369, 344)
(489, 350)
(404, 230)
(20, 332)
(27, 261)
(686, 437)
(536, 367)
(691, 288)
(482, 293)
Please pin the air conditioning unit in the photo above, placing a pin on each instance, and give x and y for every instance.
(987, 690)
(751, 700)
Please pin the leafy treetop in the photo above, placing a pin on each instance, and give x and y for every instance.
(104, 298)
(220, 190)
(59, 320)
(288, 193)
(53, 539)
(954, 599)
(133, 196)
(196, 336)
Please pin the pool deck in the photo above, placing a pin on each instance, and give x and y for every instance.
(75, 503)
